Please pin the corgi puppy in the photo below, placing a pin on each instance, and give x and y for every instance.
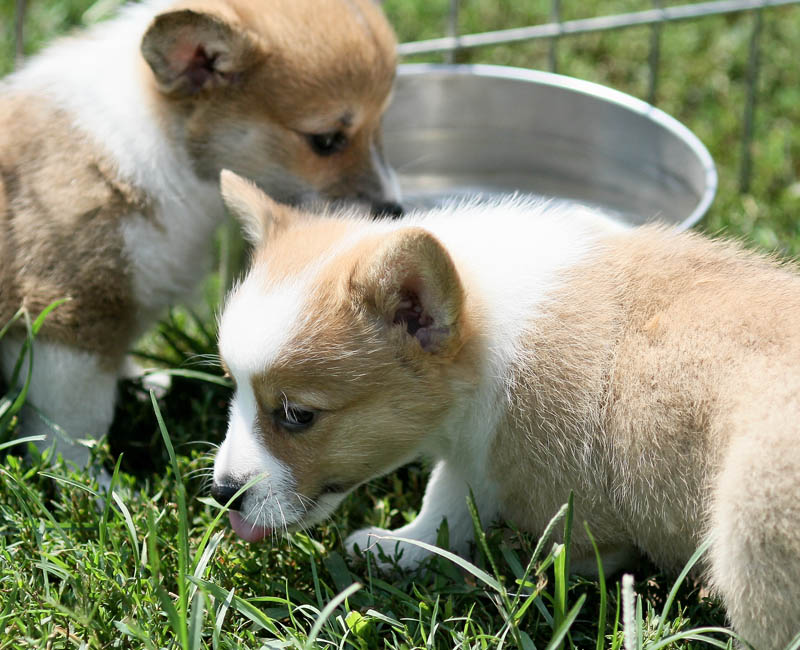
(532, 350)
(111, 145)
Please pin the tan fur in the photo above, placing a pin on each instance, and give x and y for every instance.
(111, 145)
(659, 381)
(661, 385)
(285, 72)
(64, 243)
(344, 329)
(61, 198)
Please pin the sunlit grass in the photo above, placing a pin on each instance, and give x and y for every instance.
(157, 566)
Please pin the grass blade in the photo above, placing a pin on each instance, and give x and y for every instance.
(9, 411)
(455, 559)
(240, 605)
(328, 610)
(133, 631)
(222, 611)
(68, 481)
(562, 630)
(480, 536)
(21, 441)
(129, 523)
(697, 634)
(11, 321)
(601, 579)
(183, 532)
(40, 319)
(173, 615)
(548, 531)
(678, 582)
(107, 505)
(196, 620)
(192, 374)
(202, 564)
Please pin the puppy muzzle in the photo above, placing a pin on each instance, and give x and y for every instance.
(387, 210)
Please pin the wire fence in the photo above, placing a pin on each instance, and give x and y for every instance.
(555, 30)
(19, 26)
(659, 15)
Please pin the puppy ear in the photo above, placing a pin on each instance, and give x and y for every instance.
(189, 51)
(254, 210)
(413, 285)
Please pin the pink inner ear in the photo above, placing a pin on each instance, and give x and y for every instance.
(199, 67)
(411, 312)
(190, 59)
(418, 322)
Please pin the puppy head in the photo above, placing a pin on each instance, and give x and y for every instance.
(289, 93)
(343, 341)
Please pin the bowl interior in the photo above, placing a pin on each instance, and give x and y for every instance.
(462, 130)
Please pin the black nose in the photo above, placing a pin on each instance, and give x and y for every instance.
(223, 492)
(388, 209)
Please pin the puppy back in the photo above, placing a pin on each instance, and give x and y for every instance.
(635, 376)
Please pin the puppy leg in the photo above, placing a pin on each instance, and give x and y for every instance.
(445, 498)
(72, 389)
(755, 555)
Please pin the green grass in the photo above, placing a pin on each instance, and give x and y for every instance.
(158, 568)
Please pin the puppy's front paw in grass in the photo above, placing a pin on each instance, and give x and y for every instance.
(158, 381)
(384, 548)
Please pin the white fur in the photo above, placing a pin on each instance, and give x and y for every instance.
(386, 174)
(445, 498)
(253, 329)
(66, 420)
(512, 265)
(98, 80)
(257, 323)
(241, 458)
(528, 244)
(535, 242)
(96, 77)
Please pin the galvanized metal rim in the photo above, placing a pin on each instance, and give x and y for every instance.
(623, 100)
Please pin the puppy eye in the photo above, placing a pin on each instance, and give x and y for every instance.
(327, 144)
(294, 418)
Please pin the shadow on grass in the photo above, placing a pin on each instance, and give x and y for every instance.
(195, 413)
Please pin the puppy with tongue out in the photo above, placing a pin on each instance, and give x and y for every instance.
(533, 350)
(344, 343)
(358, 345)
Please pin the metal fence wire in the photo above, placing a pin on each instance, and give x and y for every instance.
(557, 29)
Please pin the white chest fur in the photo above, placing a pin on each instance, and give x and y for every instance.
(169, 250)
(98, 80)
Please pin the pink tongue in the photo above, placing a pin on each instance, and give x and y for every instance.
(244, 529)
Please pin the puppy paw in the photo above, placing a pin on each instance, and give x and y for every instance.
(151, 379)
(158, 382)
(386, 552)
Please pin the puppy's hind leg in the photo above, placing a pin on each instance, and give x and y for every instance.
(71, 389)
(755, 553)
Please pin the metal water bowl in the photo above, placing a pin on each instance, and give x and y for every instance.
(455, 130)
